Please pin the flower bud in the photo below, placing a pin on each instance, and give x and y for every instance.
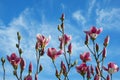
(63, 67)
(36, 76)
(40, 68)
(86, 39)
(62, 17)
(22, 64)
(92, 70)
(104, 53)
(59, 28)
(70, 48)
(20, 51)
(88, 73)
(108, 77)
(17, 46)
(2, 60)
(106, 41)
(57, 74)
(97, 47)
(30, 67)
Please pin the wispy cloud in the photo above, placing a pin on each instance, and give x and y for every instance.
(109, 18)
(91, 5)
(77, 15)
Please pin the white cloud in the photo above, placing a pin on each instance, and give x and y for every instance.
(91, 5)
(79, 17)
(109, 18)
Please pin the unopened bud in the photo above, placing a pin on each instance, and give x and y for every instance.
(104, 53)
(17, 46)
(22, 64)
(97, 47)
(108, 77)
(2, 60)
(62, 17)
(20, 51)
(40, 68)
(106, 41)
(59, 28)
(57, 74)
(86, 39)
(30, 67)
(70, 48)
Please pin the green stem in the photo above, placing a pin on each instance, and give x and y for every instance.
(111, 76)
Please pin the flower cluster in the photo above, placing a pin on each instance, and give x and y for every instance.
(63, 68)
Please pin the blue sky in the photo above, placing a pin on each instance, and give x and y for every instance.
(30, 17)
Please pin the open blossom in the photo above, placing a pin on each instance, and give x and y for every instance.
(64, 39)
(28, 77)
(53, 53)
(42, 41)
(106, 41)
(93, 32)
(112, 68)
(82, 69)
(14, 60)
(85, 57)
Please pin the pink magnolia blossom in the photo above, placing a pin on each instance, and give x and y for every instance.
(82, 69)
(53, 53)
(14, 60)
(106, 41)
(63, 67)
(30, 67)
(64, 40)
(22, 64)
(112, 68)
(70, 48)
(42, 41)
(93, 32)
(29, 77)
(85, 57)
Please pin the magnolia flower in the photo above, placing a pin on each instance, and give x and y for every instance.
(30, 67)
(64, 40)
(85, 57)
(82, 69)
(22, 64)
(106, 41)
(42, 41)
(53, 53)
(70, 48)
(93, 32)
(14, 60)
(29, 77)
(112, 68)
